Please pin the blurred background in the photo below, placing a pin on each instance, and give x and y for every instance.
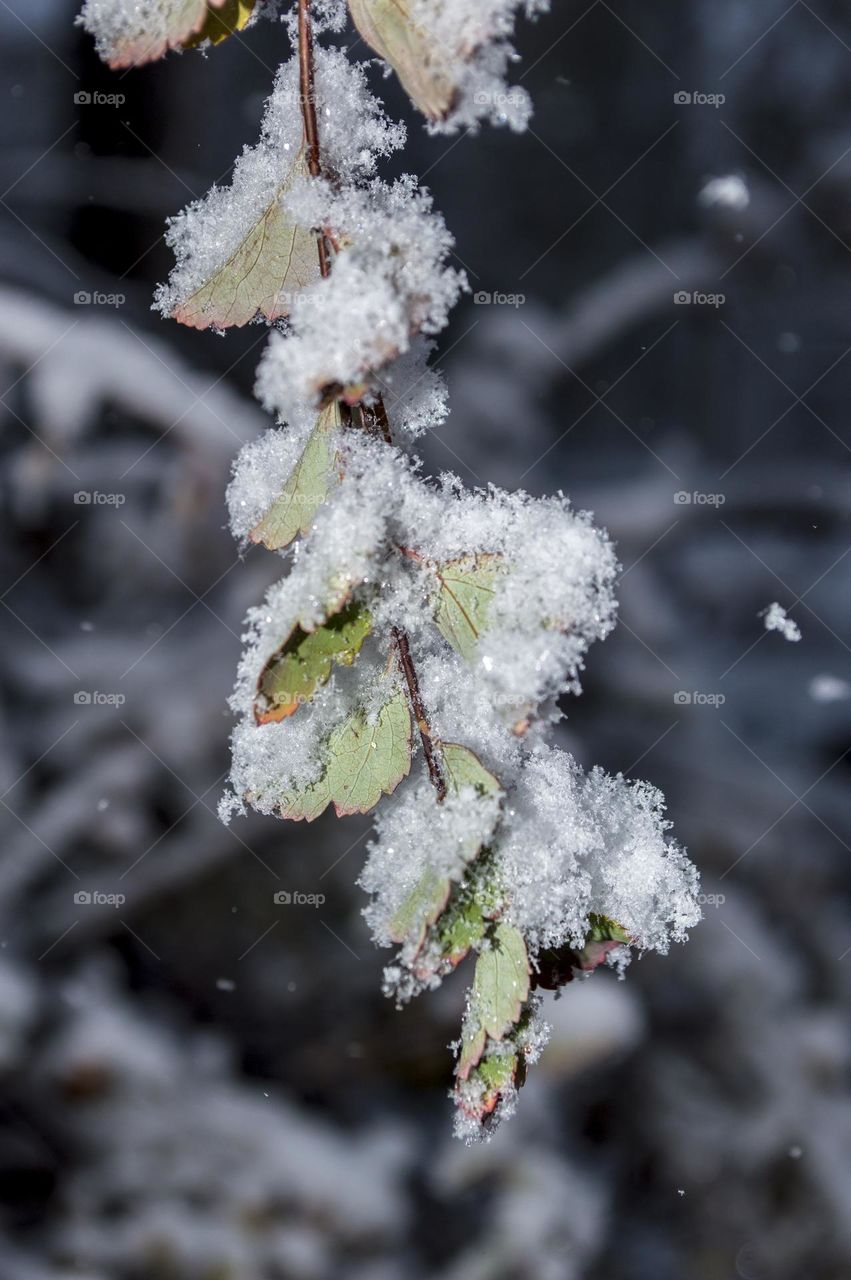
(199, 1083)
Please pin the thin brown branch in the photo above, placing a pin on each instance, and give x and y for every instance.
(375, 420)
(307, 95)
(373, 416)
(409, 671)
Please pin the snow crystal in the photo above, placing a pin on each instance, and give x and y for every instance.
(775, 619)
(576, 844)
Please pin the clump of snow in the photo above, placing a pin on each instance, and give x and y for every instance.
(389, 284)
(731, 192)
(776, 619)
(355, 133)
(474, 37)
(575, 844)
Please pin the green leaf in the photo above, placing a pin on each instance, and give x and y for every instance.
(419, 62)
(604, 929)
(363, 760)
(500, 1071)
(308, 486)
(427, 900)
(500, 988)
(304, 662)
(463, 598)
(156, 26)
(223, 20)
(276, 260)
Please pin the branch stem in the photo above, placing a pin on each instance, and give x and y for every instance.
(374, 416)
(307, 95)
(409, 671)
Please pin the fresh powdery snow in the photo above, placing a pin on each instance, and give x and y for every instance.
(775, 618)
(412, 612)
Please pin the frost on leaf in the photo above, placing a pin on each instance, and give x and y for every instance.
(304, 662)
(364, 758)
(418, 59)
(274, 261)
(463, 598)
(308, 486)
(480, 793)
(129, 35)
(500, 988)
(449, 58)
(243, 251)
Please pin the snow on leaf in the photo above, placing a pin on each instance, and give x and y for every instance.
(418, 59)
(363, 760)
(554, 966)
(422, 906)
(500, 988)
(463, 597)
(305, 660)
(429, 897)
(276, 260)
(307, 488)
(488, 1092)
(129, 36)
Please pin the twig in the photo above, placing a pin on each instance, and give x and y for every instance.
(374, 416)
(307, 96)
(410, 673)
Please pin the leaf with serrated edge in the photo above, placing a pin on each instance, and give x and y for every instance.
(307, 488)
(304, 662)
(161, 25)
(424, 904)
(276, 260)
(500, 987)
(363, 761)
(418, 61)
(463, 598)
